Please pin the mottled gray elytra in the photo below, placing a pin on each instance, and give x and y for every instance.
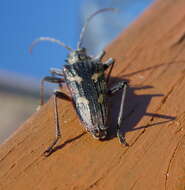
(85, 78)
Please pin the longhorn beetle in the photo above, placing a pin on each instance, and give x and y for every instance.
(85, 78)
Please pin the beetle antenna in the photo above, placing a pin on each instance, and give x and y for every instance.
(35, 42)
(87, 23)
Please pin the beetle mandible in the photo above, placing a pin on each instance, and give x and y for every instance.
(85, 78)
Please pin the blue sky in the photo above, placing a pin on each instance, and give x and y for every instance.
(23, 21)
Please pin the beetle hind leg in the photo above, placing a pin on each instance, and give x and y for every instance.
(121, 85)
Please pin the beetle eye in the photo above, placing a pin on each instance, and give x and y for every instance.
(82, 56)
(96, 133)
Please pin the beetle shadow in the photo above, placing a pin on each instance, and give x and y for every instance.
(135, 108)
(67, 142)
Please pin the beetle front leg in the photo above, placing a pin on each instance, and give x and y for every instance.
(109, 63)
(121, 85)
(57, 125)
(99, 56)
(50, 79)
(56, 71)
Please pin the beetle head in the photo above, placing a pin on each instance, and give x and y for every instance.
(99, 134)
(77, 56)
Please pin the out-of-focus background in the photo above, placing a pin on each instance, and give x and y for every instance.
(23, 21)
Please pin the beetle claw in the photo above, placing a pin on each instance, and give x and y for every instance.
(48, 152)
(122, 139)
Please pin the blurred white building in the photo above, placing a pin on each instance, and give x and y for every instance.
(19, 98)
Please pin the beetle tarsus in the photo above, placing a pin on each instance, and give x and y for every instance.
(48, 152)
(122, 139)
(50, 149)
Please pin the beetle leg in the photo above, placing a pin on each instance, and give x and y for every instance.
(59, 94)
(56, 71)
(99, 56)
(117, 87)
(50, 79)
(121, 85)
(109, 63)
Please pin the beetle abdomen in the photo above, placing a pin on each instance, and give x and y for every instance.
(86, 83)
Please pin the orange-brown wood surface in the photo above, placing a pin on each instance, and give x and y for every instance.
(150, 54)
